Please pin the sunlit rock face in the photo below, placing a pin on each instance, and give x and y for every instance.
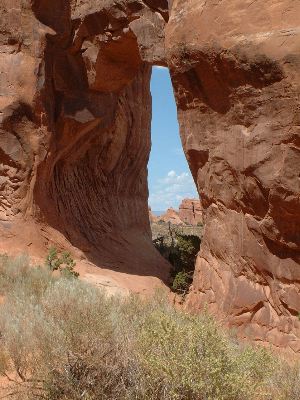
(75, 111)
(235, 67)
(191, 212)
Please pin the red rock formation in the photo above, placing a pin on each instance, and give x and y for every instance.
(74, 142)
(235, 70)
(190, 211)
(75, 128)
(152, 217)
(171, 216)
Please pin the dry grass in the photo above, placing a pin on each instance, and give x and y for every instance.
(62, 339)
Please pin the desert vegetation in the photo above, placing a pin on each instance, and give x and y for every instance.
(180, 249)
(62, 339)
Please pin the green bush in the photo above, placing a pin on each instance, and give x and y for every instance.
(181, 252)
(187, 247)
(61, 262)
(181, 282)
(62, 339)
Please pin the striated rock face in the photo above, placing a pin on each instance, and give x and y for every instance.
(236, 72)
(190, 211)
(75, 111)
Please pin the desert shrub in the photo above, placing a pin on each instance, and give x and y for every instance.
(187, 247)
(60, 345)
(189, 357)
(181, 282)
(16, 276)
(181, 252)
(62, 262)
(285, 382)
(67, 340)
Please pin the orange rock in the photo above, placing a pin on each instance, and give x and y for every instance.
(190, 212)
(171, 216)
(75, 114)
(237, 90)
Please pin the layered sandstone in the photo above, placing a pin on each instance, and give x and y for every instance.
(191, 212)
(235, 67)
(75, 112)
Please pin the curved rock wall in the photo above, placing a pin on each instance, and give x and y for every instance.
(235, 68)
(75, 128)
(75, 139)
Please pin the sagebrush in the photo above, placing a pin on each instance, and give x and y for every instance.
(62, 339)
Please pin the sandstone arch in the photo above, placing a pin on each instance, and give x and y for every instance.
(75, 139)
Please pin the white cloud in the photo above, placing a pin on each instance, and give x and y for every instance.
(171, 174)
(171, 190)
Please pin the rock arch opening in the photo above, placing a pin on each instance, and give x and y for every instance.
(175, 210)
(169, 176)
(75, 142)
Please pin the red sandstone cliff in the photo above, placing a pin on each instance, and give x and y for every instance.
(191, 212)
(171, 216)
(75, 112)
(235, 71)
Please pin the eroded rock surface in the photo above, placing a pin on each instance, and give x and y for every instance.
(236, 72)
(191, 212)
(75, 139)
(171, 216)
(75, 112)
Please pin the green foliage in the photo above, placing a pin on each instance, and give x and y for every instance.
(181, 253)
(62, 339)
(181, 282)
(187, 247)
(61, 262)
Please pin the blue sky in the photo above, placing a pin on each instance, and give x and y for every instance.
(170, 180)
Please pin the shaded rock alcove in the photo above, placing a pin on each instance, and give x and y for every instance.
(75, 112)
